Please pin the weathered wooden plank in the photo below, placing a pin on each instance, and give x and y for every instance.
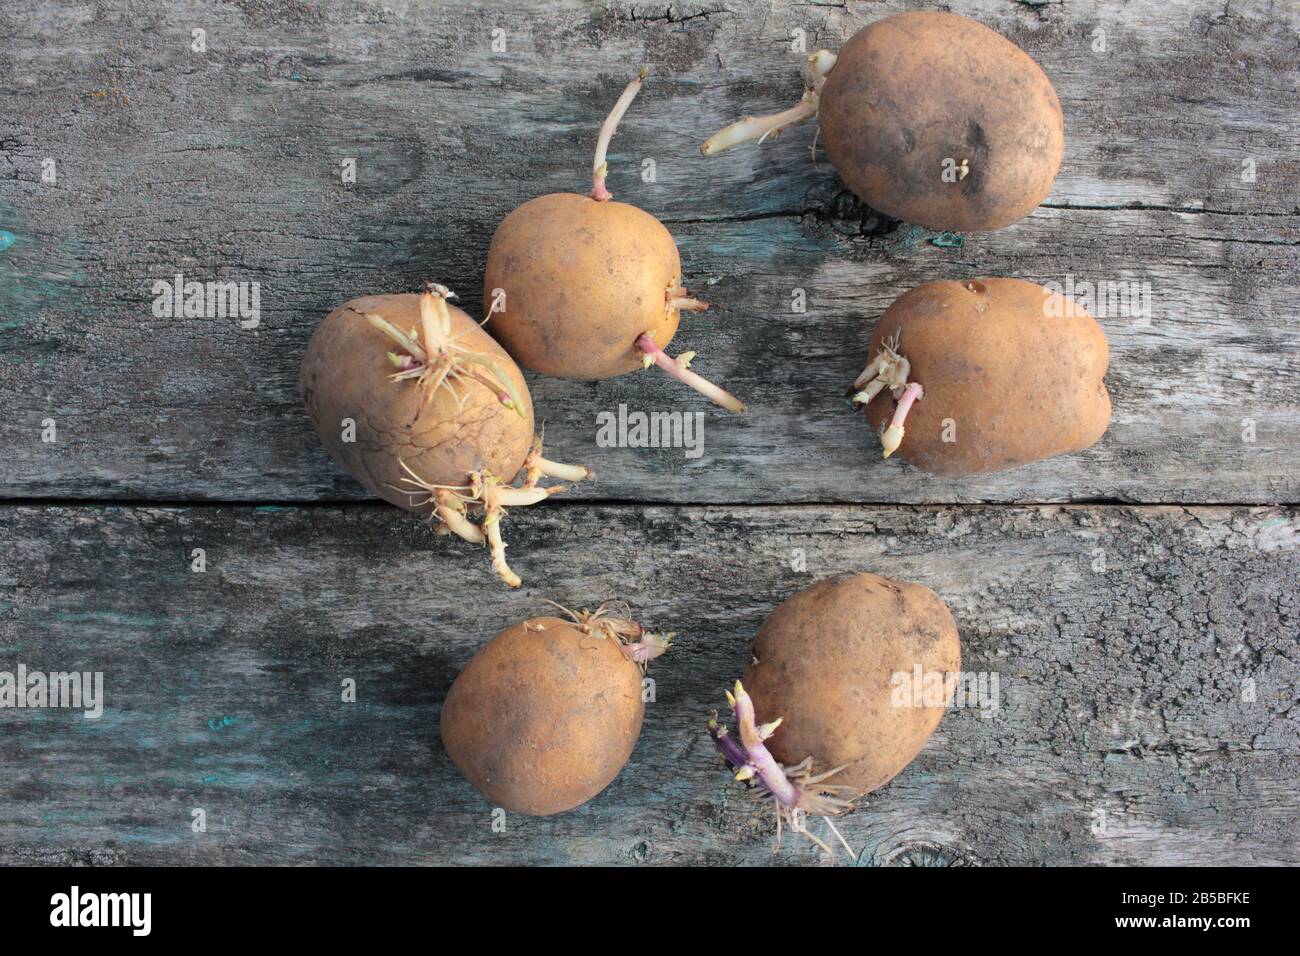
(1126, 640)
(226, 165)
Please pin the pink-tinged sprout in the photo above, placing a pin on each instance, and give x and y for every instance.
(759, 760)
(731, 751)
(796, 791)
(637, 644)
(657, 356)
(441, 361)
(759, 128)
(893, 436)
(600, 166)
(688, 304)
(650, 646)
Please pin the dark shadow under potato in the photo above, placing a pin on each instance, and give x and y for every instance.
(1012, 373)
(544, 716)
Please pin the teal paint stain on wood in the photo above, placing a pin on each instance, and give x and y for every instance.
(120, 618)
(37, 274)
(219, 723)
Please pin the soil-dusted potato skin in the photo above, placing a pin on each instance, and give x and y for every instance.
(1018, 369)
(540, 721)
(582, 280)
(825, 659)
(914, 89)
(345, 374)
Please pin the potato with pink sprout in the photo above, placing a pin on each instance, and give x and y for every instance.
(820, 720)
(588, 288)
(983, 375)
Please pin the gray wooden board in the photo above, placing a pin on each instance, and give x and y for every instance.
(1126, 731)
(226, 165)
(1148, 662)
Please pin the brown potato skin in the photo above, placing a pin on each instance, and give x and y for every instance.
(583, 279)
(914, 89)
(1019, 384)
(345, 375)
(540, 721)
(825, 659)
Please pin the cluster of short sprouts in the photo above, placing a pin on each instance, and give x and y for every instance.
(676, 296)
(439, 360)
(889, 370)
(796, 792)
(612, 621)
(436, 359)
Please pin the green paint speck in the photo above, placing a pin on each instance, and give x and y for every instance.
(6, 239)
(948, 240)
(216, 723)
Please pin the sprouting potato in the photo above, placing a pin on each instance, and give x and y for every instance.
(583, 287)
(932, 118)
(984, 374)
(547, 713)
(819, 722)
(428, 412)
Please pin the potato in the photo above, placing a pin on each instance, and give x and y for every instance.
(582, 287)
(1011, 373)
(545, 715)
(914, 91)
(346, 375)
(583, 280)
(932, 118)
(823, 662)
(428, 412)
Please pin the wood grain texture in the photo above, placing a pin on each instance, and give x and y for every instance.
(1124, 733)
(225, 165)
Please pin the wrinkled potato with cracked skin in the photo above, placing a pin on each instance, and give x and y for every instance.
(346, 374)
(915, 91)
(824, 661)
(582, 280)
(1012, 373)
(544, 716)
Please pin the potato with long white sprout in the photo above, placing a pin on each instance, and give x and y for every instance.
(427, 411)
(929, 117)
(820, 719)
(548, 712)
(590, 288)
